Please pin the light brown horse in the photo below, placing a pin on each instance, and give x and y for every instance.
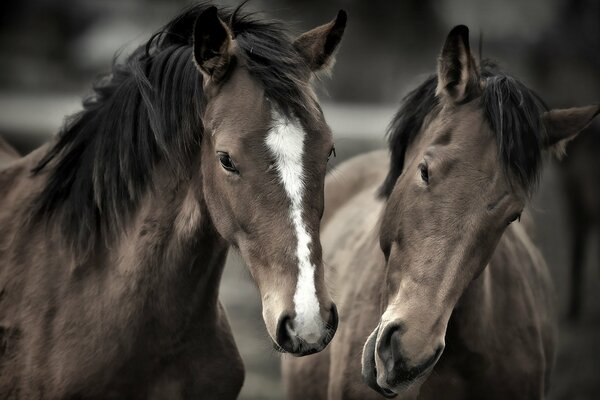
(113, 238)
(440, 296)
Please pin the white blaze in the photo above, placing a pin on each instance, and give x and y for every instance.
(286, 143)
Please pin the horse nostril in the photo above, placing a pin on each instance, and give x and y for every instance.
(284, 327)
(332, 323)
(398, 369)
(292, 339)
(389, 346)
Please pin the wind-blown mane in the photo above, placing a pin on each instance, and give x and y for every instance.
(512, 110)
(148, 110)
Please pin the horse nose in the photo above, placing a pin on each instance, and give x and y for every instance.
(291, 341)
(284, 333)
(389, 347)
(398, 369)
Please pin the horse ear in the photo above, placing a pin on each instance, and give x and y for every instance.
(562, 125)
(318, 45)
(212, 41)
(458, 75)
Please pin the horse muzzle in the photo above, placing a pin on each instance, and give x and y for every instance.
(293, 340)
(369, 369)
(387, 369)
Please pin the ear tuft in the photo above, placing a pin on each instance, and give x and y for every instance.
(563, 125)
(458, 75)
(212, 40)
(318, 45)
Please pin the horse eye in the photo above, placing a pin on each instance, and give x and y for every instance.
(424, 172)
(514, 218)
(332, 152)
(227, 162)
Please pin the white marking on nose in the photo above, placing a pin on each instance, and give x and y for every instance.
(286, 143)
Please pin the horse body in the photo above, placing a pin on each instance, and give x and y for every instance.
(501, 333)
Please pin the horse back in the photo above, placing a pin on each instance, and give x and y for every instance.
(19, 243)
(17, 184)
(7, 153)
(351, 178)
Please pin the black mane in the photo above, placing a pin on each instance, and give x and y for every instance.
(148, 110)
(512, 110)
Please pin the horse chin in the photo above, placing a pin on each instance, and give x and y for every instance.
(408, 390)
(370, 378)
(301, 351)
(377, 382)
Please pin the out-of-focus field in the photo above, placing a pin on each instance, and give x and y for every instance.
(25, 120)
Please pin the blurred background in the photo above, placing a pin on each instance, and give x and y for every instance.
(51, 50)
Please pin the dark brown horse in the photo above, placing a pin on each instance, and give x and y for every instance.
(440, 294)
(113, 238)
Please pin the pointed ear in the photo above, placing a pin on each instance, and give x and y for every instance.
(562, 125)
(318, 45)
(458, 76)
(212, 41)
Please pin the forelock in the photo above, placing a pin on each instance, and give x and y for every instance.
(512, 110)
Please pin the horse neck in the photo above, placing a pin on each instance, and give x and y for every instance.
(173, 247)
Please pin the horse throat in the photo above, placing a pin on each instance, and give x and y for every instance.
(174, 253)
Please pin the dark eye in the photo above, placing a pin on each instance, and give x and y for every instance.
(331, 153)
(424, 172)
(514, 218)
(227, 162)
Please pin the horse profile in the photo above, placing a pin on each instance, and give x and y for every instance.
(440, 294)
(114, 237)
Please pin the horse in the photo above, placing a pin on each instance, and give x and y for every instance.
(440, 293)
(114, 235)
(579, 174)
